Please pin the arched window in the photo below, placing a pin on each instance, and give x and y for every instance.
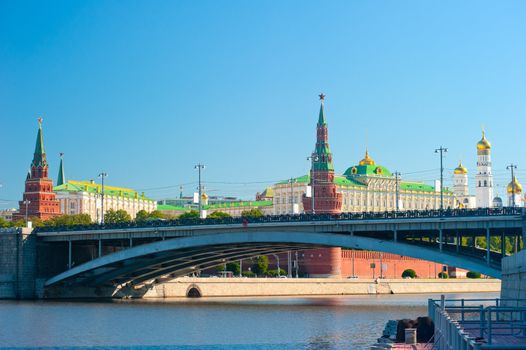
(485, 183)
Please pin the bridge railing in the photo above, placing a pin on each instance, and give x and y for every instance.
(408, 214)
(479, 323)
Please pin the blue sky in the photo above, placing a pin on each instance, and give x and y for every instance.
(144, 90)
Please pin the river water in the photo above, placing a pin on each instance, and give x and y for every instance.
(342, 322)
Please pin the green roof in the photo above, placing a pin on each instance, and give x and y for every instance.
(321, 118)
(344, 181)
(172, 207)
(370, 170)
(416, 186)
(91, 187)
(240, 204)
(61, 179)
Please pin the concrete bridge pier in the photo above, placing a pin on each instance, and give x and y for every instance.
(18, 263)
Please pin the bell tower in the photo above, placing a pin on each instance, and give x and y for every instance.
(484, 176)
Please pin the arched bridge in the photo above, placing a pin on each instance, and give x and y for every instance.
(141, 253)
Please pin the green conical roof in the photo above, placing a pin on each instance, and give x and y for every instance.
(321, 118)
(39, 157)
(61, 179)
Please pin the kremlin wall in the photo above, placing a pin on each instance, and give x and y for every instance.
(365, 186)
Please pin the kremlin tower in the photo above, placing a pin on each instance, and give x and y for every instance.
(484, 177)
(461, 188)
(326, 199)
(39, 200)
(325, 262)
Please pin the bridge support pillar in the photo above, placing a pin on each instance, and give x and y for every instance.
(458, 241)
(488, 251)
(100, 247)
(395, 235)
(503, 244)
(69, 254)
(131, 242)
(440, 238)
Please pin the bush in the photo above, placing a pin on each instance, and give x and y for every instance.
(248, 274)
(409, 273)
(274, 273)
(473, 274)
(443, 275)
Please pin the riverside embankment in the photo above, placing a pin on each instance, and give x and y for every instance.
(264, 287)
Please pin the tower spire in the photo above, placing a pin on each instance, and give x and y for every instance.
(61, 179)
(321, 118)
(39, 157)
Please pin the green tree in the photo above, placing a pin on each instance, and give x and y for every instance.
(409, 273)
(219, 215)
(443, 275)
(260, 266)
(116, 217)
(274, 273)
(69, 220)
(156, 215)
(192, 214)
(252, 213)
(142, 215)
(5, 223)
(473, 274)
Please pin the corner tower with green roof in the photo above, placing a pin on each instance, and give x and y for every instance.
(326, 198)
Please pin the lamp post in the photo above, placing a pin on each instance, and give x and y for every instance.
(199, 167)
(313, 158)
(512, 167)
(277, 262)
(26, 202)
(397, 174)
(292, 181)
(441, 150)
(102, 175)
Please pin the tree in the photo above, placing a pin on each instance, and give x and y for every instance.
(219, 215)
(252, 213)
(260, 266)
(156, 215)
(192, 214)
(473, 274)
(443, 275)
(5, 223)
(69, 220)
(409, 273)
(142, 215)
(116, 217)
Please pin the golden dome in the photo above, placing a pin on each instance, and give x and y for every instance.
(460, 169)
(514, 185)
(483, 144)
(367, 160)
(204, 196)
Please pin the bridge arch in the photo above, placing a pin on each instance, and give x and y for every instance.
(181, 256)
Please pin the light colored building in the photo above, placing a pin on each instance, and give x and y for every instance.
(484, 177)
(84, 197)
(461, 188)
(365, 187)
(7, 214)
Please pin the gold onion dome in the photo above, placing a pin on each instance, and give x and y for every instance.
(483, 144)
(367, 160)
(204, 196)
(460, 169)
(514, 186)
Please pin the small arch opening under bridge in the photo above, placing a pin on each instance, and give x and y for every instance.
(193, 292)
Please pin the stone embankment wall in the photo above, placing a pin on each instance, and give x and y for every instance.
(514, 277)
(241, 287)
(17, 263)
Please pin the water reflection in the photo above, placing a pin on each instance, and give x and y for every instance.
(313, 323)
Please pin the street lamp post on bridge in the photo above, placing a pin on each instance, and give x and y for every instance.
(199, 167)
(313, 158)
(512, 167)
(441, 150)
(102, 176)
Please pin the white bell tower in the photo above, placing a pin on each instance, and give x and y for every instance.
(484, 177)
